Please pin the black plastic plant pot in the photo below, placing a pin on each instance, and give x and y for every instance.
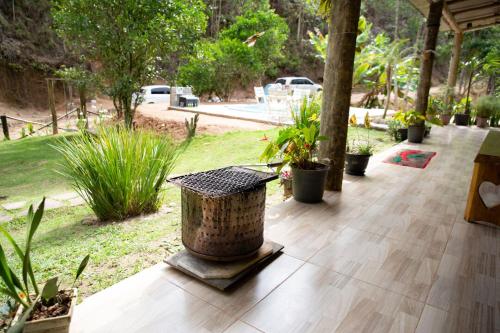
(309, 185)
(462, 119)
(403, 134)
(355, 164)
(416, 133)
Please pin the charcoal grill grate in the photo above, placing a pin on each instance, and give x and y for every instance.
(223, 181)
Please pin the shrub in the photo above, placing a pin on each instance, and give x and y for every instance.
(243, 53)
(119, 172)
(487, 106)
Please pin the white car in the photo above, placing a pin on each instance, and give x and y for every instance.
(154, 94)
(295, 82)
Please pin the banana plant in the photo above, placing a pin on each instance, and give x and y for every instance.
(296, 144)
(24, 288)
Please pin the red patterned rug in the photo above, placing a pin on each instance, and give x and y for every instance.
(411, 158)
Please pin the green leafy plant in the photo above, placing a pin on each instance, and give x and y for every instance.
(359, 145)
(118, 172)
(24, 288)
(298, 143)
(409, 118)
(393, 127)
(191, 126)
(31, 131)
(487, 106)
(461, 105)
(436, 106)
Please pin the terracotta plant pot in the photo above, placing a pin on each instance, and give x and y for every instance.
(356, 164)
(53, 325)
(481, 122)
(309, 185)
(445, 119)
(416, 133)
(462, 119)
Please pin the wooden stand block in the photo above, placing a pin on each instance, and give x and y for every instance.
(222, 275)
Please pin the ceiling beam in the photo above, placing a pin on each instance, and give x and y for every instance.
(460, 10)
(450, 19)
(481, 27)
(476, 18)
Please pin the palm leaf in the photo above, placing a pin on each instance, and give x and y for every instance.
(81, 268)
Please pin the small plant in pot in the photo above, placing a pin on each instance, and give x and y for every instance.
(486, 107)
(287, 183)
(359, 150)
(462, 115)
(46, 309)
(415, 122)
(297, 145)
(437, 113)
(396, 130)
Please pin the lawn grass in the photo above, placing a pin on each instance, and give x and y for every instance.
(28, 168)
(118, 250)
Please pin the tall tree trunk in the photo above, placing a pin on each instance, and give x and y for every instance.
(396, 89)
(433, 22)
(410, 75)
(396, 28)
(342, 33)
(83, 104)
(490, 90)
(388, 87)
(469, 86)
(453, 70)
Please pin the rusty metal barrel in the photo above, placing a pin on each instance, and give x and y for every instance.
(223, 212)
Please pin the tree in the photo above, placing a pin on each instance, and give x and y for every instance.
(343, 17)
(273, 33)
(127, 38)
(84, 81)
(244, 52)
(363, 60)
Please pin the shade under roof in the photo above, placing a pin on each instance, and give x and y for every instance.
(464, 15)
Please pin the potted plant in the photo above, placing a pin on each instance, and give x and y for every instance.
(485, 109)
(415, 122)
(360, 150)
(286, 182)
(462, 117)
(396, 130)
(46, 309)
(437, 110)
(296, 145)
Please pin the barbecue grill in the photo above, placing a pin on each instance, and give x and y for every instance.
(223, 212)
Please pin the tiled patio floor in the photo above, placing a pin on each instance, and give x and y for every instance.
(391, 253)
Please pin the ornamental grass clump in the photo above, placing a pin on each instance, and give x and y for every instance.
(119, 172)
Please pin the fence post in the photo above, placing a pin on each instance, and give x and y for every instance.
(5, 128)
(52, 105)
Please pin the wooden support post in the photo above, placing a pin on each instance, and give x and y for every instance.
(5, 127)
(342, 33)
(432, 30)
(454, 62)
(52, 105)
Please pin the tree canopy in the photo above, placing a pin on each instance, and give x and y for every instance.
(127, 37)
(243, 53)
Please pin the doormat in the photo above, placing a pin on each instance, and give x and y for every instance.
(411, 158)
